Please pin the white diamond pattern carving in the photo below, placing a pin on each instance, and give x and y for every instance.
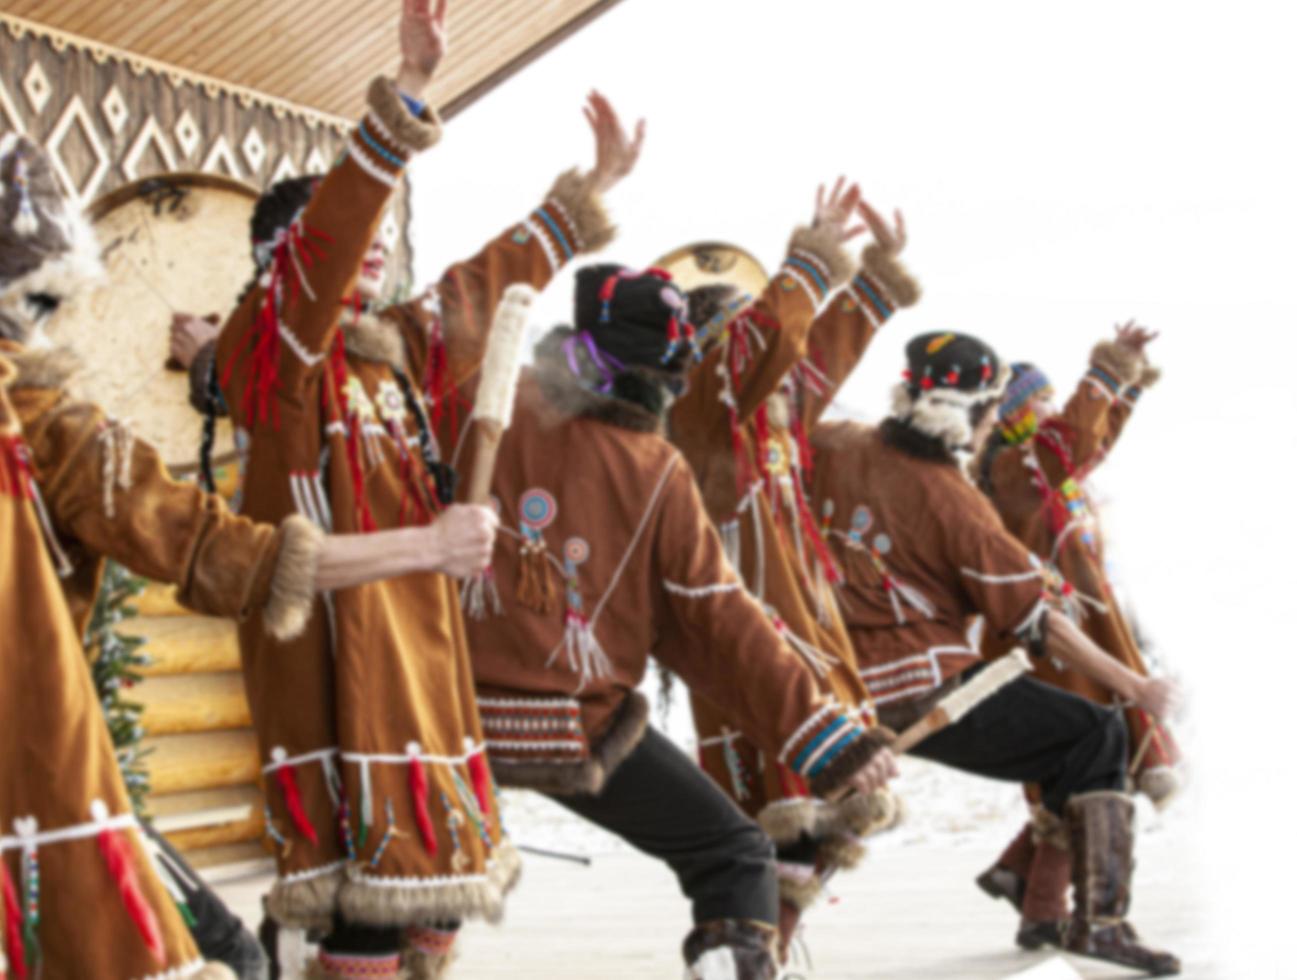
(150, 134)
(37, 87)
(12, 120)
(187, 134)
(114, 109)
(75, 114)
(285, 170)
(254, 150)
(315, 163)
(220, 155)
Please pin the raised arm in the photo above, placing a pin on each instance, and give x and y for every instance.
(274, 345)
(765, 341)
(715, 631)
(1073, 441)
(1124, 406)
(845, 328)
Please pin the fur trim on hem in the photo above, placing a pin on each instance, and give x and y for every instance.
(428, 966)
(800, 893)
(850, 760)
(372, 337)
(1123, 363)
(786, 820)
(824, 245)
(1047, 828)
(902, 287)
(292, 589)
(419, 905)
(584, 206)
(215, 971)
(43, 367)
(571, 398)
(1149, 376)
(558, 779)
(387, 104)
(305, 904)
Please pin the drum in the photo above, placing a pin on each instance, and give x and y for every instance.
(705, 263)
(171, 243)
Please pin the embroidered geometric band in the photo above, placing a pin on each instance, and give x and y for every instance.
(816, 746)
(534, 730)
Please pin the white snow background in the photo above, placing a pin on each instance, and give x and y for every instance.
(1062, 167)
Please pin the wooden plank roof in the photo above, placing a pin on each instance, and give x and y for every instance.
(318, 55)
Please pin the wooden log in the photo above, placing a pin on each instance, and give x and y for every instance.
(210, 818)
(159, 599)
(181, 703)
(250, 855)
(178, 763)
(186, 644)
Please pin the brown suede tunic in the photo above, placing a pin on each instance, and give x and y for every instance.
(742, 426)
(1038, 488)
(62, 799)
(922, 552)
(369, 718)
(605, 550)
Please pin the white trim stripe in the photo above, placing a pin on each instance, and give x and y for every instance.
(81, 831)
(805, 729)
(551, 253)
(1001, 579)
(701, 591)
(361, 155)
(847, 730)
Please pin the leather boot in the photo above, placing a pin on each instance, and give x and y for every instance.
(731, 949)
(428, 951)
(1101, 828)
(1007, 878)
(1044, 903)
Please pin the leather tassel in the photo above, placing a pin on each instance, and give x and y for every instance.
(287, 781)
(13, 925)
(419, 800)
(480, 774)
(121, 868)
(536, 588)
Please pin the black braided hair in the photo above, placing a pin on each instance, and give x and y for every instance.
(442, 473)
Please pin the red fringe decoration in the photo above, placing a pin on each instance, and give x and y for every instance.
(293, 800)
(812, 533)
(790, 783)
(338, 367)
(481, 776)
(15, 473)
(117, 856)
(419, 797)
(13, 924)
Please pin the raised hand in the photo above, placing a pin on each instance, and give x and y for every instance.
(892, 239)
(423, 44)
(834, 211)
(1130, 334)
(615, 153)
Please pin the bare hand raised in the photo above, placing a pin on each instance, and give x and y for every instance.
(615, 153)
(891, 239)
(424, 41)
(835, 211)
(1130, 334)
(461, 540)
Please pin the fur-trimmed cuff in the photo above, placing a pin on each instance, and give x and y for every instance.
(1049, 828)
(817, 261)
(1148, 377)
(1119, 361)
(412, 133)
(850, 760)
(583, 209)
(292, 588)
(891, 274)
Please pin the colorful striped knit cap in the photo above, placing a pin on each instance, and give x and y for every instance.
(1026, 381)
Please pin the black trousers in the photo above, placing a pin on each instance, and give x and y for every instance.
(662, 803)
(1031, 732)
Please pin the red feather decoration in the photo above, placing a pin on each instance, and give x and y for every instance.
(13, 925)
(481, 776)
(419, 794)
(121, 867)
(293, 800)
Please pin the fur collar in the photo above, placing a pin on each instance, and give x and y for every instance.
(904, 436)
(375, 337)
(640, 401)
(41, 367)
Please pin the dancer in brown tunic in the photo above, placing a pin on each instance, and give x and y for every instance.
(606, 550)
(771, 370)
(1034, 469)
(923, 551)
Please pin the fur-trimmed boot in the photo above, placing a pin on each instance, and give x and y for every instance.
(1007, 877)
(1101, 826)
(427, 952)
(731, 949)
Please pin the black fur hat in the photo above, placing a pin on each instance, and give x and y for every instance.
(640, 319)
(947, 377)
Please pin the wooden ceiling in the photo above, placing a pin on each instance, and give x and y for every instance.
(318, 54)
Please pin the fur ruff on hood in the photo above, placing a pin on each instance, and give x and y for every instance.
(944, 413)
(638, 401)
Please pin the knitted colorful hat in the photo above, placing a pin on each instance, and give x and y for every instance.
(635, 319)
(1026, 382)
(947, 376)
(47, 250)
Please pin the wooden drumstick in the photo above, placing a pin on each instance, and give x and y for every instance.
(497, 387)
(964, 699)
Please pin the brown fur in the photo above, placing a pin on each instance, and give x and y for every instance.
(823, 243)
(374, 338)
(386, 103)
(585, 207)
(1122, 362)
(215, 971)
(358, 902)
(1048, 828)
(571, 398)
(306, 904)
(896, 279)
(49, 367)
(292, 590)
(427, 966)
(1149, 376)
(800, 894)
(623, 735)
(840, 853)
